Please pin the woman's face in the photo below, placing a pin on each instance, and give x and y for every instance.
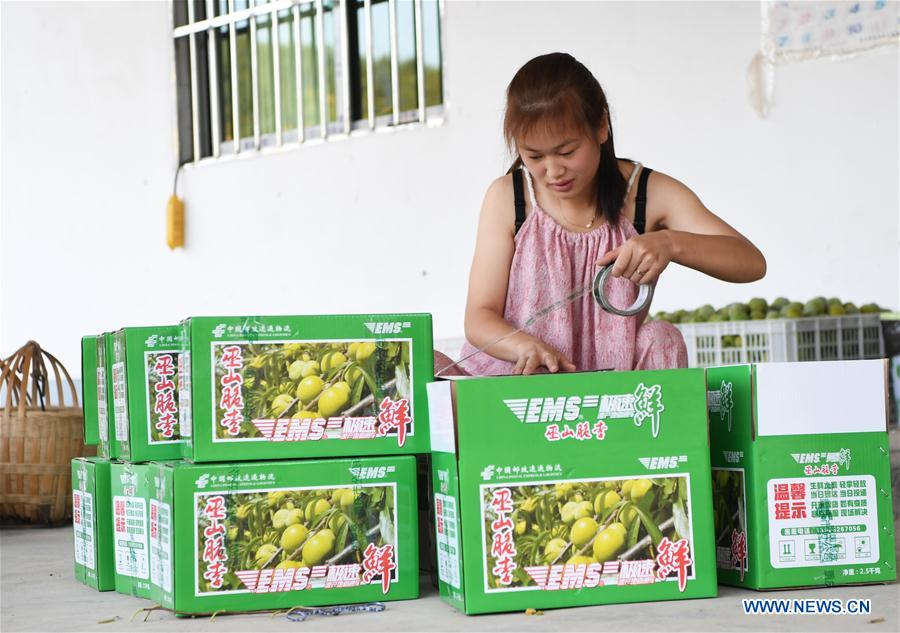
(564, 161)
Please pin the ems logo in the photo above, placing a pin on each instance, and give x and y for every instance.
(662, 463)
(722, 402)
(644, 404)
(733, 457)
(387, 328)
(838, 457)
(534, 410)
(372, 472)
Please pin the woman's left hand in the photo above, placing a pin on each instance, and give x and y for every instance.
(642, 258)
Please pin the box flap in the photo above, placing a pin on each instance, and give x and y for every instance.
(820, 397)
(440, 416)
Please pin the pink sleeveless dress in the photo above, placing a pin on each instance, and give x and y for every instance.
(549, 262)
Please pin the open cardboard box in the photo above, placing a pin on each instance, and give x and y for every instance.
(801, 471)
(572, 489)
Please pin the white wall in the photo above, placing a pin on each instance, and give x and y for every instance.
(386, 222)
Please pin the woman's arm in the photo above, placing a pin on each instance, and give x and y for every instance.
(488, 283)
(489, 276)
(681, 229)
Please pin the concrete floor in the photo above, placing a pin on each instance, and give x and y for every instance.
(38, 593)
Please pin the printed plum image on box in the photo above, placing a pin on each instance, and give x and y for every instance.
(572, 489)
(305, 386)
(271, 535)
(801, 474)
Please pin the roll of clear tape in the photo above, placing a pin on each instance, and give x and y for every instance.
(645, 295)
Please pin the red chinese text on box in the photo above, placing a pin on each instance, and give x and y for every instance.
(214, 553)
(232, 402)
(394, 415)
(674, 557)
(379, 561)
(503, 547)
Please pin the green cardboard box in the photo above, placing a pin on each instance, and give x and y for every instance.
(271, 535)
(130, 528)
(89, 389)
(145, 393)
(107, 447)
(306, 386)
(801, 474)
(572, 489)
(92, 522)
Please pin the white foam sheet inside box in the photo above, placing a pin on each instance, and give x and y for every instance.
(816, 398)
(440, 416)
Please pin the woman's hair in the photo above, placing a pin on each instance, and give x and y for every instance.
(558, 91)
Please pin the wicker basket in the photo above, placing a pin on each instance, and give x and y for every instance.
(38, 439)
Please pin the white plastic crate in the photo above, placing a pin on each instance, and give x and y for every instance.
(850, 337)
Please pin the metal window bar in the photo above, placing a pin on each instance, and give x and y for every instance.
(254, 79)
(395, 72)
(320, 47)
(298, 73)
(442, 38)
(370, 72)
(195, 133)
(213, 82)
(235, 97)
(346, 5)
(420, 61)
(210, 23)
(276, 71)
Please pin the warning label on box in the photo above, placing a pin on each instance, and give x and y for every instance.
(130, 534)
(447, 540)
(83, 524)
(102, 419)
(822, 521)
(120, 401)
(160, 545)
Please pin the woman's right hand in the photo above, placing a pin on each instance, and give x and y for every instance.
(533, 353)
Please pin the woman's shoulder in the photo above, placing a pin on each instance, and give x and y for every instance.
(662, 192)
(632, 170)
(666, 196)
(499, 200)
(498, 208)
(500, 189)
(663, 183)
(662, 187)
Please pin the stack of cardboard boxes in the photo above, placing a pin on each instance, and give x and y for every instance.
(604, 487)
(246, 459)
(268, 462)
